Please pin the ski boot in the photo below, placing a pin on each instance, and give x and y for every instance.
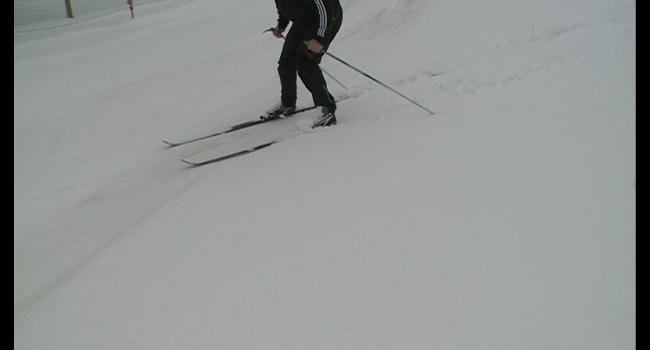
(278, 111)
(327, 118)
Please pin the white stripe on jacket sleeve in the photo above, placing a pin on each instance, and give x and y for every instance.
(322, 26)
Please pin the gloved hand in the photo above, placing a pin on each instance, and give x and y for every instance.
(314, 46)
(277, 32)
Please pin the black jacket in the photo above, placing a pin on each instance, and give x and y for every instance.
(315, 16)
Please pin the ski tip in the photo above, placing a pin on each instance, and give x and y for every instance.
(189, 163)
(169, 144)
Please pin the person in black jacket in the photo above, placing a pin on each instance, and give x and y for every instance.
(314, 26)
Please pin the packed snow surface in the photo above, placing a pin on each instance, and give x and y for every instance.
(504, 221)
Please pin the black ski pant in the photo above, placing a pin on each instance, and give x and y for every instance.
(296, 58)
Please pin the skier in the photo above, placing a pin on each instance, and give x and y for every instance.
(315, 24)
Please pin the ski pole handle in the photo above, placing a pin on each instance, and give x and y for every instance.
(272, 30)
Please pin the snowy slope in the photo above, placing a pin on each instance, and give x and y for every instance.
(505, 221)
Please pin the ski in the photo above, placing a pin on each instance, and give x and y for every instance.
(229, 130)
(215, 159)
(247, 124)
(230, 155)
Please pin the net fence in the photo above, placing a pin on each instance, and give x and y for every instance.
(32, 15)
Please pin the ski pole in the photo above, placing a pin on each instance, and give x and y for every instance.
(321, 68)
(378, 82)
(130, 3)
(331, 76)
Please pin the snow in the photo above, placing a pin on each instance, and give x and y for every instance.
(504, 221)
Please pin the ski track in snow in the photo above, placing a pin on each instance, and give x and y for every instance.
(103, 235)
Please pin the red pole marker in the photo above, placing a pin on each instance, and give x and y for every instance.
(130, 3)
